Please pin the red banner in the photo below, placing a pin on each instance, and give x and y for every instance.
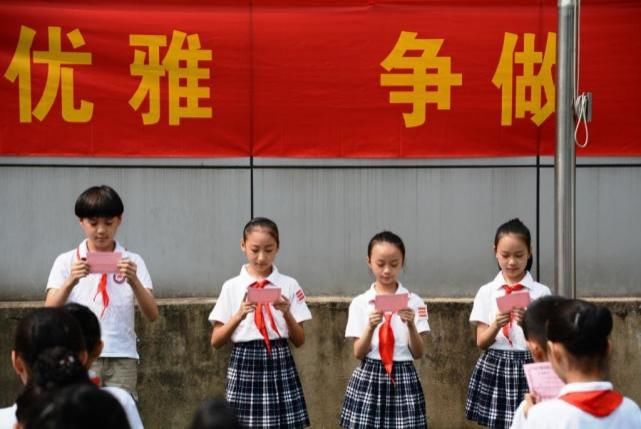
(309, 79)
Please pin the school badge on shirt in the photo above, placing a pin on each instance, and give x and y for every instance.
(422, 312)
(300, 295)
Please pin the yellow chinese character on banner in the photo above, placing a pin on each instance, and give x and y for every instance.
(440, 76)
(535, 79)
(59, 75)
(181, 66)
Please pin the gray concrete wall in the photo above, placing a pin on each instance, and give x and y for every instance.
(185, 218)
(178, 368)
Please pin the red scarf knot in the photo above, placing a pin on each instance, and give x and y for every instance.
(507, 327)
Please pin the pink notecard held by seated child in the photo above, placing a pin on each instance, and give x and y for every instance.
(542, 380)
(391, 302)
(263, 295)
(103, 262)
(514, 300)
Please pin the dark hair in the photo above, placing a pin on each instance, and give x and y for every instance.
(214, 414)
(45, 328)
(80, 406)
(583, 328)
(262, 222)
(518, 228)
(88, 322)
(536, 317)
(386, 237)
(99, 201)
(54, 368)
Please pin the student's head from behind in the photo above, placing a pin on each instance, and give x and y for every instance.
(260, 245)
(90, 327)
(386, 257)
(513, 250)
(534, 324)
(578, 338)
(43, 329)
(99, 210)
(79, 406)
(214, 414)
(54, 369)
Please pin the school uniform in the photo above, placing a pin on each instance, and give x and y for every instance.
(616, 413)
(118, 361)
(519, 420)
(498, 383)
(372, 399)
(8, 417)
(263, 387)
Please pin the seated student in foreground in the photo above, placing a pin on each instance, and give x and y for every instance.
(578, 348)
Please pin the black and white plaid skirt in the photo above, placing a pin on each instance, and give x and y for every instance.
(497, 387)
(372, 401)
(264, 389)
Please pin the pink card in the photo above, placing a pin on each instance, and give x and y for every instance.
(391, 302)
(515, 299)
(263, 295)
(103, 262)
(542, 380)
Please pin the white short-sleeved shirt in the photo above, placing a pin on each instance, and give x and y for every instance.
(128, 404)
(358, 318)
(8, 417)
(232, 295)
(485, 309)
(519, 420)
(559, 414)
(117, 322)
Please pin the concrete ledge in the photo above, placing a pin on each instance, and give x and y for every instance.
(178, 368)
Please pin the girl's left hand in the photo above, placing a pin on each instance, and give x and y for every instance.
(282, 304)
(407, 315)
(128, 268)
(517, 314)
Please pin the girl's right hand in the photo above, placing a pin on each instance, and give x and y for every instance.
(79, 269)
(375, 318)
(502, 319)
(245, 308)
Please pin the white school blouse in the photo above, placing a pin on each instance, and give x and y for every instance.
(233, 292)
(485, 309)
(117, 322)
(558, 414)
(358, 319)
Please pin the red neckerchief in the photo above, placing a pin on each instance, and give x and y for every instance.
(599, 403)
(101, 289)
(259, 318)
(508, 326)
(386, 344)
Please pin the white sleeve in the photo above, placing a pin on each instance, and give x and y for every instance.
(128, 404)
(518, 419)
(223, 310)
(356, 320)
(480, 310)
(59, 271)
(420, 314)
(143, 273)
(298, 306)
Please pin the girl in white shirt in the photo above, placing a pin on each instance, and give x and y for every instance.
(498, 383)
(578, 348)
(263, 387)
(384, 390)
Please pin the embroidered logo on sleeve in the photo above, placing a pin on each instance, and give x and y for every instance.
(422, 312)
(300, 295)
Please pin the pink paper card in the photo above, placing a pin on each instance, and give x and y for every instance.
(391, 302)
(263, 295)
(542, 380)
(103, 262)
(515, 299)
